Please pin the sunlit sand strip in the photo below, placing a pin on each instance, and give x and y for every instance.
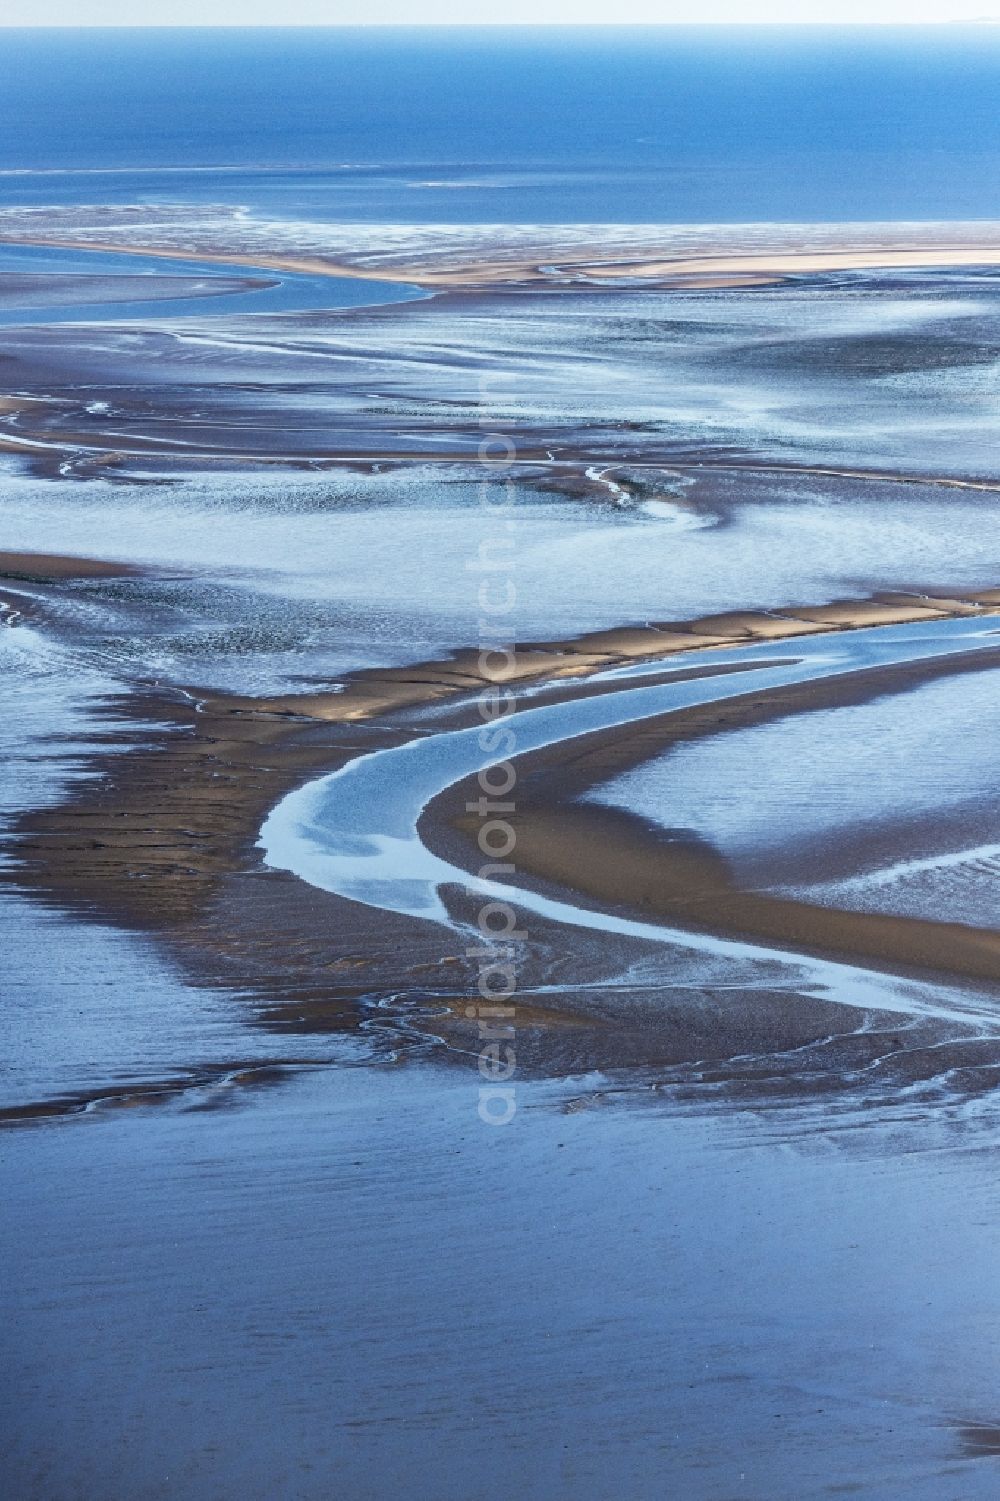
(443, 256)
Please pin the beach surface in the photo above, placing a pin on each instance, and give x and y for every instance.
(736, 488)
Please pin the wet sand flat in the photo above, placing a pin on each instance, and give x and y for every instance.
(765, 377)
(166, 831)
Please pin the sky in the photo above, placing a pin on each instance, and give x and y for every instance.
(482, 12)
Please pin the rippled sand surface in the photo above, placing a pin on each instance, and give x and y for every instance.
(890, 805)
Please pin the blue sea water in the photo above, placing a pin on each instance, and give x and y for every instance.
(291, 292)
(670, 124)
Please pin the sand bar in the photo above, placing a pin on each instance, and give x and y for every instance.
(440, 257)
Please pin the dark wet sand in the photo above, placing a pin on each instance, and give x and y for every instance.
(51, 566)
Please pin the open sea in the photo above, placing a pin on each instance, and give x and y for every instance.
(531, 125)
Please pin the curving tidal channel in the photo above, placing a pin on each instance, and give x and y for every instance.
(355, 832)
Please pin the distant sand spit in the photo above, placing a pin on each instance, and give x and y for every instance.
(457, 256)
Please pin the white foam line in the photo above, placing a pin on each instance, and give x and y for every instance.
(618, 493)
(889, 875)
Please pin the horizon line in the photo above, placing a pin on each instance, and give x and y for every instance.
(719, 25)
